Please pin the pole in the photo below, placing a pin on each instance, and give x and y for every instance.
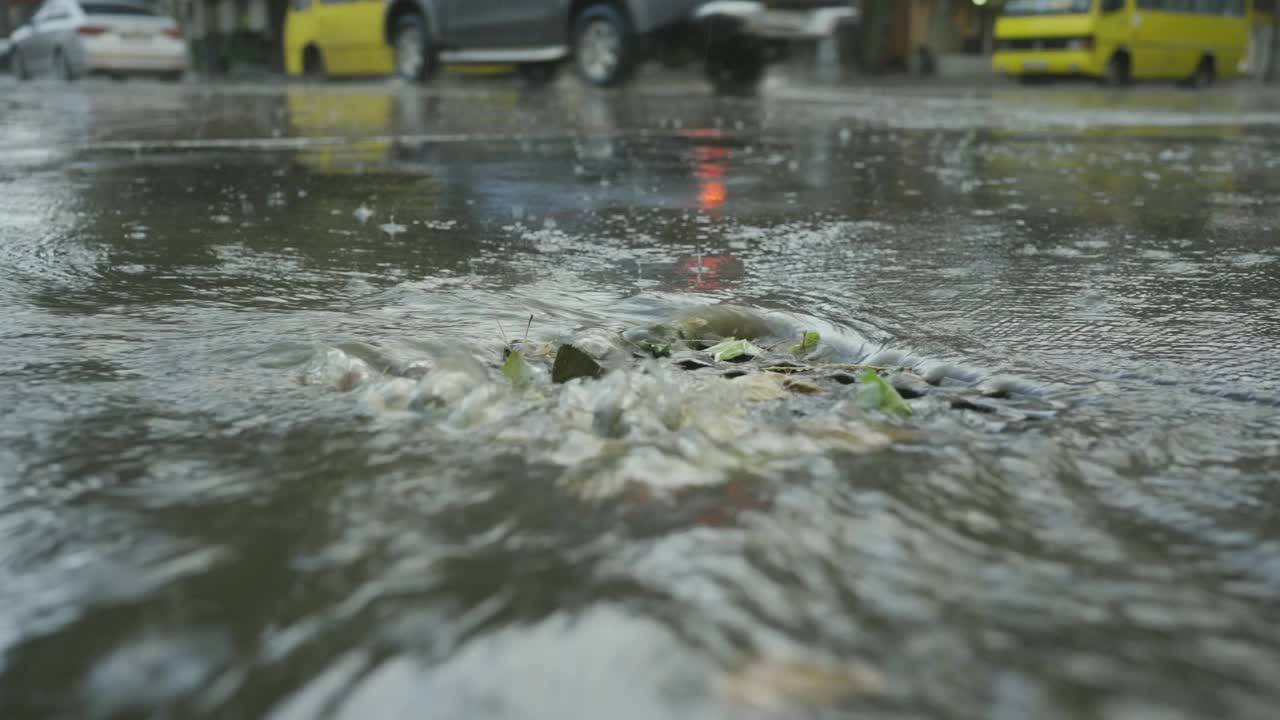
(875, 28)
(1273, 47)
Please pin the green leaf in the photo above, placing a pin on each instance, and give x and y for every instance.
(731, 348)
(515, 369)
(808, 342)
(655, 349)
(692, 328)
(875, 392)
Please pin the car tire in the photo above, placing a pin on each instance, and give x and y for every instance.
(603, 47)
(313, 64)
(411, 48)
(736, 69)
(20, 69)
(61, 68)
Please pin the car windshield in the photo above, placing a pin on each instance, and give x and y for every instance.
(1046, 7)
(115, 9)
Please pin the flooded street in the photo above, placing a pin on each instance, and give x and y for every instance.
(259, 457)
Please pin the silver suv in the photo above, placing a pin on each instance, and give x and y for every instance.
(605, 39)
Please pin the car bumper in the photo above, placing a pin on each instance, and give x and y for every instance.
(1056, 62)
(156, 56)
(778, 24)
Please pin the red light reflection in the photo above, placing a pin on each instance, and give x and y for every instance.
(711, 163)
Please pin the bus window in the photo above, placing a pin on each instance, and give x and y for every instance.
(1046, 7)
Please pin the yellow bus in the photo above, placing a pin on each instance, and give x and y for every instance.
(343, 38)
(336, 37)
(1117, 41)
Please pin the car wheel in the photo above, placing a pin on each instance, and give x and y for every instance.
(736, 69)
(312, 63)
(20, 69)
(603, 49)
(61, 68)
(412, 53)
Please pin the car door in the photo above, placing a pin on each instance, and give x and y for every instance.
(500, 23)
(52, 30)
(35, 46)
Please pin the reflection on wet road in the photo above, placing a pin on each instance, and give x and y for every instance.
(258, 458)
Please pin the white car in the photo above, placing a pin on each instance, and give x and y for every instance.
(72, 38)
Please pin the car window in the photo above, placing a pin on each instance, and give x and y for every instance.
(52, 10)
(115, 9)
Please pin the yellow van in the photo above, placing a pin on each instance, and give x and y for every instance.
(336, 37)
(1194, 41)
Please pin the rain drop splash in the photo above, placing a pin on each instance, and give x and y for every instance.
(392, 228)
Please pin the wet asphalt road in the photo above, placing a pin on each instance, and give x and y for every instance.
(257, 458)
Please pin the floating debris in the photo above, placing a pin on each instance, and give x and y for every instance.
(801, 386)
(779, 685)
(733, 350)
(808, 343)
(692, 360)
(572, 363)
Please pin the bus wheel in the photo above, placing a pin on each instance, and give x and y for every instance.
(312, 64)
(1117, 72)
(1203, 76)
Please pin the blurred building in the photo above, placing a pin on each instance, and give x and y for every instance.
(926, 36)
(15, 12)
(233, 35)
(12, 14)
